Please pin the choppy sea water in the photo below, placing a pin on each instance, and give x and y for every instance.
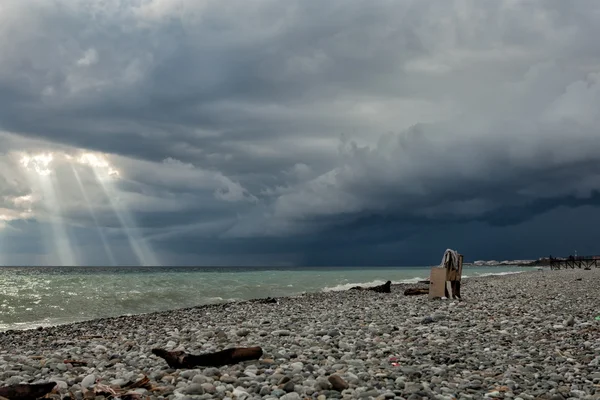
(41, 296)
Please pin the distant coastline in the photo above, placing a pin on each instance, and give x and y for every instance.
(509, 263)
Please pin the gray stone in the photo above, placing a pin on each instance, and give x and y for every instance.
(198, 378)
(297, 366)
(61, 367)
(265, 390)
(188, 374)
(289, 387)
(194, 388)
(227, 379)
(13, 380)
(369, 393)
(212, 372)
(291, 396)
(118, 382)
(322, 384)
(337, 367)
(208, 387)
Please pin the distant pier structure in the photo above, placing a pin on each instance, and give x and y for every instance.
(585, 262)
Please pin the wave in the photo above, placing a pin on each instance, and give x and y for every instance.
(492, 274)
(348, 286)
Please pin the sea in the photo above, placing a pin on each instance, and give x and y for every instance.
(42, 296)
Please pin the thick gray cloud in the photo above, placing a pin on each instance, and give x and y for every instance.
(293, 132)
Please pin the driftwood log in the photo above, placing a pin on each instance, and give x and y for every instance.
(416, 291)
(26, 391)
(181, 359)
(385, 288)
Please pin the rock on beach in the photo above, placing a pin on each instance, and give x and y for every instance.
(525, 336)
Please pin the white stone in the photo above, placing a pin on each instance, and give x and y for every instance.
(88, 381)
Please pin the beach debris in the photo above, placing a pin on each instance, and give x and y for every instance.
(416, 291)
(105, 390)
(445, 279)
(124, 392)
(385, 288)
(181, 359)
(27, 391)
(76, 363)
(142, 383)
(269, 300)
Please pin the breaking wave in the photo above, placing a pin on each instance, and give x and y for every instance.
(483, 274)
(347, 286)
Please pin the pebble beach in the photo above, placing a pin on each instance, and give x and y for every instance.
(525, 336)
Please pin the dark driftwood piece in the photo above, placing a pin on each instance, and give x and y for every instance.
(181, 359)
(385, 288)
(416, 291)
(26, 391)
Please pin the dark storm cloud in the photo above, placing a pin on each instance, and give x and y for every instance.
(299, 131)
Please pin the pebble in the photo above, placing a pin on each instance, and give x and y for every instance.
(289, 386)
(88, 381)
(291, 396)
(198, 378)
(227, 379)
(194, 388)
(516, 337)
(338, 383)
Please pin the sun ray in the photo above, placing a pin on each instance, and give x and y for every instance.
(2, 240)
(144, 254)
(40, 175)
(107, 248)
(103, 172)
(61, 238)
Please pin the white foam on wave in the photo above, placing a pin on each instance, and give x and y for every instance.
(493, 274)
(218, 300)
(348, 286)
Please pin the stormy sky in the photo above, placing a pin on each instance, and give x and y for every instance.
(308, 132)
